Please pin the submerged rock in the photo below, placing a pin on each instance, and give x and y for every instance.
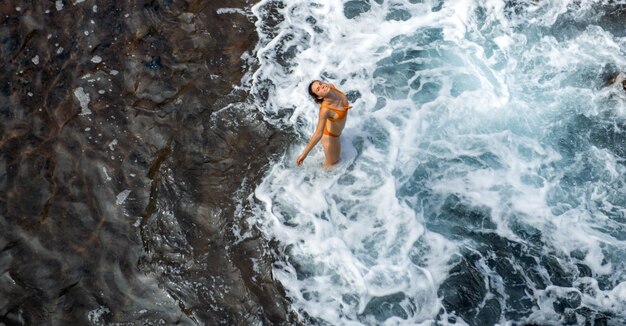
(464, 289)
(355, 8)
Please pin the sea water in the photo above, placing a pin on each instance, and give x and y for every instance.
(482, 174)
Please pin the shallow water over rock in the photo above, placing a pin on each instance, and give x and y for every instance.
(127, 156)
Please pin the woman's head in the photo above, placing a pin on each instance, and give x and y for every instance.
(319, 90)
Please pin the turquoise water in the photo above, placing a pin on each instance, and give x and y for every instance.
(483, 163)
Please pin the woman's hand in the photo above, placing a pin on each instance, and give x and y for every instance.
(300, 159)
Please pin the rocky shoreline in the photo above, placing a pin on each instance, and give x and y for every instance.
(128, 152)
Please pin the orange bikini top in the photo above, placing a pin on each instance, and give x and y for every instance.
(341, 114)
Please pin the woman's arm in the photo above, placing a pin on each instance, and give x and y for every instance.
(315, 138)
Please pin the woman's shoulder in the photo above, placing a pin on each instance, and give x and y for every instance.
(326, 103)
(338, 91)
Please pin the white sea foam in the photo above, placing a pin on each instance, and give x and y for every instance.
(83, 100)
(222, 11)
(112, 144)
(95, 316)
(106, 174)
(471, 101)
(121, 197)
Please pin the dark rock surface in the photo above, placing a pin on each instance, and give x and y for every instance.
(463, 291)
(131, 207)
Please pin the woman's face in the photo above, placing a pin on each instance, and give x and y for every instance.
(321, 89)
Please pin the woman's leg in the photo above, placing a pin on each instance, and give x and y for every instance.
(332, 150)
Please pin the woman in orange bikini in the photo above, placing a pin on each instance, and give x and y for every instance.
(332, 119)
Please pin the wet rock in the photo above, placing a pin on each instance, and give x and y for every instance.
(456, 212)
(515, 288)
(464, 289)
(355, 8)
(383, 308)
(490, 313)
(569, 318)
(584, 270)
(570, 301)
(558, 275)
(398, 14)
(530, 234)
(514, 263)
(160, 124)
(592, 317)
(438, 5)
(578, 254)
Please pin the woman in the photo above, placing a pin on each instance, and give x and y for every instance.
(332, 119)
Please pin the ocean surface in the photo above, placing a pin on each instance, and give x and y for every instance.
(483, 166)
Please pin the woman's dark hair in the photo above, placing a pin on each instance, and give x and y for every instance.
(313, 95)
